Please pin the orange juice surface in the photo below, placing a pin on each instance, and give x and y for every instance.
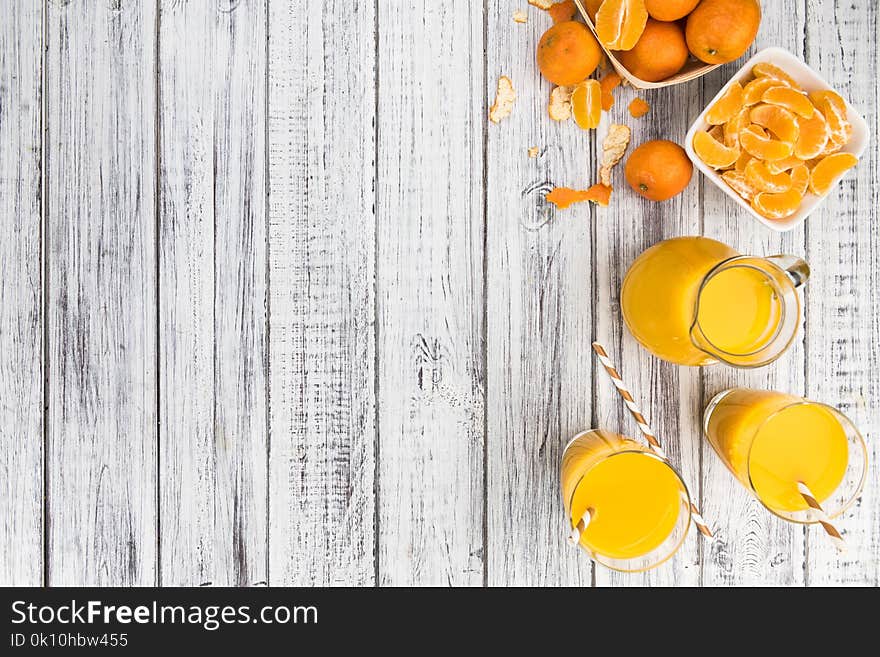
(635, 500)
(739, 310)
(771, 444)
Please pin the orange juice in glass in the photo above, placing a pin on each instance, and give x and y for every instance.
(638, 504)
(772, 441)
(696, 301)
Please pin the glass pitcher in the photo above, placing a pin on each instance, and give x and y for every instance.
(695, 301)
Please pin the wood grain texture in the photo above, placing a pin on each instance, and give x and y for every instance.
(212, 292)
(322, 253)
(668, 394)
(101, 303)
(430, 293)
(21, 280)
(538, 274)
(842, 302)
(753, 547)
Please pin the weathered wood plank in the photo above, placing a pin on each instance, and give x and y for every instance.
(753, 547)
(101, 297)
(430, 292)
(21, 280)
(538, 317)
(322, 250)
(669, 394)
(212, 292)
(843, 244)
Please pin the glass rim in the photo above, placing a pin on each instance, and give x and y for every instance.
(646, 451)
(849, 427)
(720, 353)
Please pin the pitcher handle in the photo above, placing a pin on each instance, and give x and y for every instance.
(796, 268)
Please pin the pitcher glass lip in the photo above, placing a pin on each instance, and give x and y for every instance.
(720, 353)
(849, 425)
(616, 564)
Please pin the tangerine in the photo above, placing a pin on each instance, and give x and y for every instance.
(620, 23)
(768, 70)
(713, 152)
(779, 121)
(659, 53)
(719, 31)
(813, 136)
(658, 170)
(586, 104)
(592, 6)
(670, 10)
(829, 170)
(800, 179)
(738, 182)
(754, 91)
(762, 179)
(727, 106)
(568, 53)
(790, 99)
(758, 143)
(777, 206)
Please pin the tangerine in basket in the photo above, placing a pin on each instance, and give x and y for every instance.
(813, 136)
(777, 206)
(719, 31)
(790, 99)
(658, 170)
(762, 179)
(659, 53)
(586, 104)
(670, 10)
(759, 144)
(829, 170)
(568, 53)
(727, 106)
(777, 120)
(713, 152)
(620, 23)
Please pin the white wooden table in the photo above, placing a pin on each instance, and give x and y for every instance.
(278, 305)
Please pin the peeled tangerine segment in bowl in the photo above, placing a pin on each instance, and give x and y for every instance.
(786, 164)
(760, 177)
(735, 125)
(620, 23)
(727, 106)
(777, 120)
(834, 110)
(713, 152)
(586, 104)
(800, 179)
(789, 99)
(768, 70)
(754, 91)
(777, 206)
(759, 144)
(828, 170)
(813, 134)
(738, 182)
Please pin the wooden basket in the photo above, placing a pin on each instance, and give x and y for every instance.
(692, 70)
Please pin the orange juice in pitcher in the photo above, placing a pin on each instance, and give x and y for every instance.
(696, 301)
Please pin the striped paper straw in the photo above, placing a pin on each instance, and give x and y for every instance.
(575, 536)
(822, 517)
(644, 427)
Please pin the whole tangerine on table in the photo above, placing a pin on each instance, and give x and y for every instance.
(670, 10)
(658, 170)
(659, 53)
(568, 53)
(719, 31)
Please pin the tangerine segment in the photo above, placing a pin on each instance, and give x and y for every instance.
(738, 182)
(713, 152)
(800, 179)
(834, 110)
(779, 121)
(586, 104)
(563, 197)
(736, 125)
(755, 90)
(759, 144)
(813, 135)
(727, 106)
(829, 170)
(620, 23)
(742, 161)
(790, 99)
(777, 206)
(760, 177)
(778, 166)
(768, 70)
(609, 83)
(638, 108)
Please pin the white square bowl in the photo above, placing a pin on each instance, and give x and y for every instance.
(809, 80)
